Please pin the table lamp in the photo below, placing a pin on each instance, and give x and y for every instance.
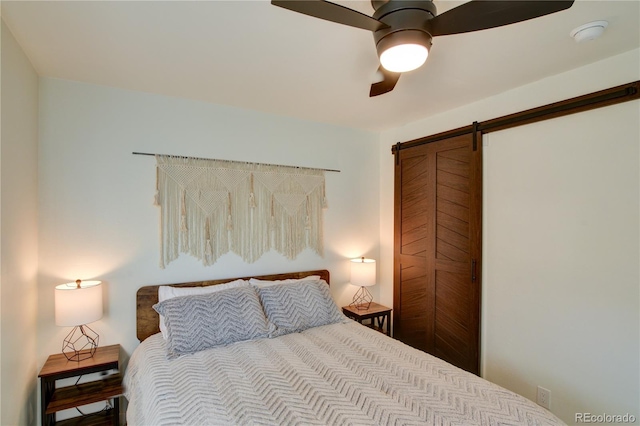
(78, 304)
(363, 274)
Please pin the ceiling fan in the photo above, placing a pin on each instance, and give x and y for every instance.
(403, 29)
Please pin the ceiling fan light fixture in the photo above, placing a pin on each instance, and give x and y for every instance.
(404, 57)
(404, 51)
(402, 29)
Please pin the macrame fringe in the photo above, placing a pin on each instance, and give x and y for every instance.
(156, 197)
(325, 203)
(209, 208)
(252, 195)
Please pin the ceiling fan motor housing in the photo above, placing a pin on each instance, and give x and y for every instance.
(408, 22)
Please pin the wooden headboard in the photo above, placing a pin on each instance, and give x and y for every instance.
(147, 319)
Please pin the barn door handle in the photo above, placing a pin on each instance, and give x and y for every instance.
(473, 270)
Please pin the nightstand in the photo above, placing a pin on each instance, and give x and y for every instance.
(379, 315)
(57, 399)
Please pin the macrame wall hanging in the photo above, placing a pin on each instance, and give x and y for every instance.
(211, 207)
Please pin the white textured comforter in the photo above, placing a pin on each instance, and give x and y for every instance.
(339, 374)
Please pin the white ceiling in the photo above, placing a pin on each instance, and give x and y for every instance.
(253, 55)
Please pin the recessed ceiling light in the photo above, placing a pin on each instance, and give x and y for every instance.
(589, 31)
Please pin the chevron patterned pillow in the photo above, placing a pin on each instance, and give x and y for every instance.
(167, 292)
(295, 307)
(199, 322)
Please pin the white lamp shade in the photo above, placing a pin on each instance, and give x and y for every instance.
(78, 305)
(363, 272)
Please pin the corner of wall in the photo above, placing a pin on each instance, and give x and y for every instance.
(18, 233)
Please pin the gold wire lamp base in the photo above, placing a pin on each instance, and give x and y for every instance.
(80, 343)
(362, 299)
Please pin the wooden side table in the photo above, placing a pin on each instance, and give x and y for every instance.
(57, 399)
(379, 315)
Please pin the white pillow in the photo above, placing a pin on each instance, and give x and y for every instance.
(264, 283)
(166, 292)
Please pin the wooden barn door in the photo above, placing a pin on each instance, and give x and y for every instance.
(438, 218)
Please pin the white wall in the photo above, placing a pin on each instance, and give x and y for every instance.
(19, 235)
(554, 357)
(561, 241)
(97, 218)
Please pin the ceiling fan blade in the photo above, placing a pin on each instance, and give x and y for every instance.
(331, 12)
(483, 14)
(386, 85)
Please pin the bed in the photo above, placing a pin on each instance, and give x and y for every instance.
(303, 364)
